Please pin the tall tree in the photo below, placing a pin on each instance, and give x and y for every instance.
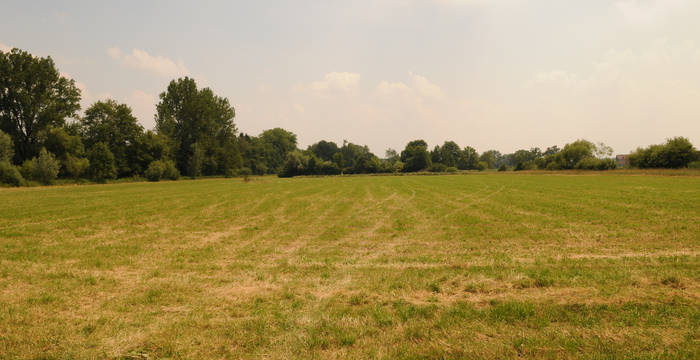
(33, 96)
(191, 116)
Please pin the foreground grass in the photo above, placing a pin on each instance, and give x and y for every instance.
(466, 266)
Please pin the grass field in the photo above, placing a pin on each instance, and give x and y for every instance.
(464, 266)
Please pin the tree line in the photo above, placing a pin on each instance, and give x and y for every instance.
(43, 137)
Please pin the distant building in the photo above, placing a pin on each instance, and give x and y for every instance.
(621, 160)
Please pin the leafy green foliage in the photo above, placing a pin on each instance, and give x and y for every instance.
(102, 165)
(7, 147)
(9, 174)
(171, 172)
(415, 156)
(113, 124)
(45, 167)
(437, 167)
(201, 127)
(34, 97)
(155, 171)
(76, 166)
(677, 152)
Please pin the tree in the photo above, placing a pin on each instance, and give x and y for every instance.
(277, 143)
(415, 156)
(524, 160)
(188, 115)
(102, 165)
(391, 156)
(114, 124)
(324, 150)
(253, 154)
(468, 159)
(295, 164)
(450, 153)
(33, 96)
(150, 146)
(352, 153)
(492, 158)
(339, 161)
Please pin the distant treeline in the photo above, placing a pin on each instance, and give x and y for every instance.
(43, 137)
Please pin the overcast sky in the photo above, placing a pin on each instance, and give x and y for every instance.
(503, 74)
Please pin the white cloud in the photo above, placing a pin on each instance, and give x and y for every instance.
(141, 59)
(5, 48)
(420, 88)
(336, 81)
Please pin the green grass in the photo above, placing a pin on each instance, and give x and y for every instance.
(464, 266)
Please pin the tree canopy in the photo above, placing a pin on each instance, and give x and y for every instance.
(33, 97)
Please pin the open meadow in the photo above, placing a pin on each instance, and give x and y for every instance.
(494, 265)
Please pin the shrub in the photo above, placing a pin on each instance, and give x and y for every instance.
(45, 167)
(9, 174)
(155, 170)
(694, 165)
(482, 165)
(76, 166)
(27, 169)
(102, 166)
(451, 169)
(595, 164)
(7, 148)
(171, 172)
(503, 167)
(437, 167)
(554, 165)
(675, 153)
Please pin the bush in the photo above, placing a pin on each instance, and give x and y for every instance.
(27, 169)
(482, 165)
(45, 167)
(76, 166)
(155, 170)
(675, 153)
(694, 165)
(451, 169)
(9, 174)
(171, 172)
(102, 166)
(437, 167)
(503, 167)
(592, 163)
(554, 165)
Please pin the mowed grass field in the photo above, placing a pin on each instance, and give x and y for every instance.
(464, 266)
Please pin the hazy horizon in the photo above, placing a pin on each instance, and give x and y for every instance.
(491, 74)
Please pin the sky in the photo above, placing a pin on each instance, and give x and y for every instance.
(491, 74)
